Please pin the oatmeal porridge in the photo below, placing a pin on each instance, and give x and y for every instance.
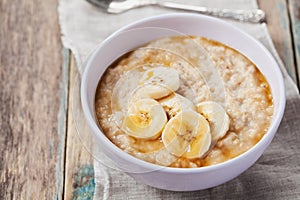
(184, 102)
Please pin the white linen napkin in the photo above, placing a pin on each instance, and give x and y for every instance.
(277, 173)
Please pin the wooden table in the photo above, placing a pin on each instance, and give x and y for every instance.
(41, 155)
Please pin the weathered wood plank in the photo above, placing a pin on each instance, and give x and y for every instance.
(79, 175)
(31, 143)
(294, 8)
(279, 27)
(62, 120)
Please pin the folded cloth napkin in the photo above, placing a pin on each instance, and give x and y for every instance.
(276, 175)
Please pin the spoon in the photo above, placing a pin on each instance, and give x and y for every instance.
(119, 6)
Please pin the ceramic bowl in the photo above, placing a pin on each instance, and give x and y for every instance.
(137, 34)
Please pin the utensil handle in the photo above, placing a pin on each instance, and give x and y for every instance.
(253, 16)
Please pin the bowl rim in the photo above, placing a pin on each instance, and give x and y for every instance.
(154, 167)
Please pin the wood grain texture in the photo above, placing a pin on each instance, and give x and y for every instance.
(279, 28)
(31, 143)
(79, 161)
(294, 8)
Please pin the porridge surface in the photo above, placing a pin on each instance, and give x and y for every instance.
(208, 71)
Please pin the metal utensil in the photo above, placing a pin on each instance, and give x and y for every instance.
(119, 6)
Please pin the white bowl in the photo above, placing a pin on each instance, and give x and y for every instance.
(132, 36)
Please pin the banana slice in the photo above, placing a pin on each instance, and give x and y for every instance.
(175, 103)
(184, 132)
(217, 118)
(165, 158)
(159, 82)
(201, 144)
(145, 119)
(123, 90)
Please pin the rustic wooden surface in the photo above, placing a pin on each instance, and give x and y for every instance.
(278, 24)
(32, 94)
(79, 162)
(42, 156)
(294, 8)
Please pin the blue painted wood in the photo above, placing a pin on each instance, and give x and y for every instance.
(83, 183)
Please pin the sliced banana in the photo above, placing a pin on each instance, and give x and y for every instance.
(184, 132)
(159, 82)
(201, 144)
(123, 89)
(150, 91)
(145, 119)
(165, 158)
(175, 103)
(217, 118)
